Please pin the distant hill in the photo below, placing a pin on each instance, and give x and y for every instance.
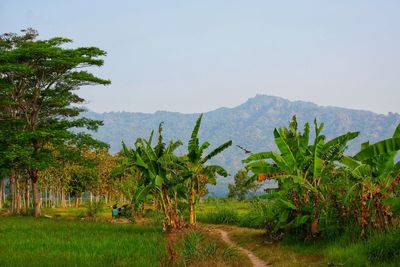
(249, 125)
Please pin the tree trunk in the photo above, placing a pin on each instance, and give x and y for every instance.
(4, 191)
(27, 196)
(315, 217)
(192, 218)
(35, 188)
(36, 200)
(63, 203)
(76, 200)
(12, 192)
(17, 197)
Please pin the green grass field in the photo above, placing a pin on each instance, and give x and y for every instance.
(45, 242)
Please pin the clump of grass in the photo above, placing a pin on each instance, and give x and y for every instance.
(190, 247)
(210, 248)
(221, 216)
(383, 246)
(231, 251)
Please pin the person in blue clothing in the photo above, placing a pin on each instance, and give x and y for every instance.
(115, 211)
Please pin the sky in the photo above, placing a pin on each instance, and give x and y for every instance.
(196, 56)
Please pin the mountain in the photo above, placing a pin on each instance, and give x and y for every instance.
(249, 125)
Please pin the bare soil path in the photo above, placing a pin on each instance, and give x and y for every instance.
(256, 261)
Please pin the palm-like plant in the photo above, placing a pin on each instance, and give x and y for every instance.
(302, 169)
(155, 163)
(376, 175)
(200, 173)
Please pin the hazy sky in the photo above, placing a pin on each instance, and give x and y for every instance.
(193, 56)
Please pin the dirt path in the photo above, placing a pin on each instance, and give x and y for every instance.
(256, 261)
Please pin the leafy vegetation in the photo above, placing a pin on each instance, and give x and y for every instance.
(317, 192)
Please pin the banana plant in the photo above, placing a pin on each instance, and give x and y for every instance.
(377, 175)
(301, 168)
(201, 174)
(157, 178)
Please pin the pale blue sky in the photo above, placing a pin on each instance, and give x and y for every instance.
(194, 56)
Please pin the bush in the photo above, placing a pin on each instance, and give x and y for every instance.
(92, 209)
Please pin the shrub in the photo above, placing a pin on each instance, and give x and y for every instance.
(93, 208)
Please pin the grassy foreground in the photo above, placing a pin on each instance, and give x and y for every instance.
(44, 242)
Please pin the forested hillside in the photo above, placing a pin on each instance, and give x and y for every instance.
(249, 125)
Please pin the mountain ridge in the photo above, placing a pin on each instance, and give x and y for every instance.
(249, 124)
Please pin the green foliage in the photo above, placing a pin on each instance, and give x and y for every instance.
(190, 244)
(93, 208)
(303, 169)
(262, 215)
(242, 186)
(38, 102)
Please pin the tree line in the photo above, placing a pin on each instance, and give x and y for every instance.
(38, 108)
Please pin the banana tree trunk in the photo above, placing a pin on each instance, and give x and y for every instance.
(192, 211)
(315, 217)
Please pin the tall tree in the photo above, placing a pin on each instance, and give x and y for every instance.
(43, 76)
